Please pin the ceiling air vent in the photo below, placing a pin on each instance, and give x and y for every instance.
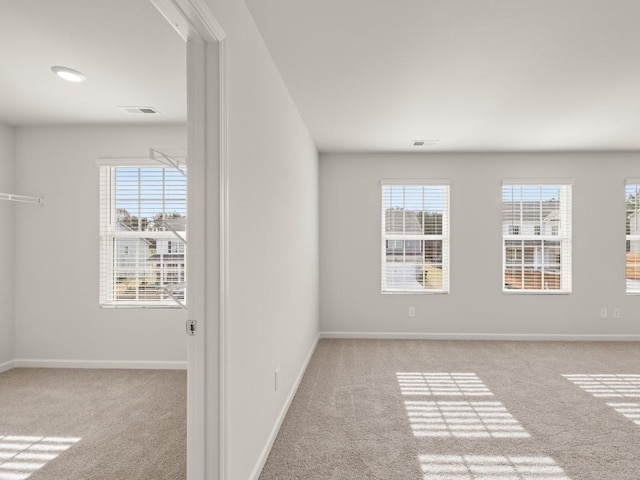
(425, 143)
(140, 110)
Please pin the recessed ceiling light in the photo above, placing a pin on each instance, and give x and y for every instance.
(69, 74)
(425, 143)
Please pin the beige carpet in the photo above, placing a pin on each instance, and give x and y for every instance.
(92, 424)
(413, 410)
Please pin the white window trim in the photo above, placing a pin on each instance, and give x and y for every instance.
(538, 181)
(129, 162)
(416, 181)
(446, 252)
(564, 237)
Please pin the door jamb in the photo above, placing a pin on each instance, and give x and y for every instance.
(208, 258)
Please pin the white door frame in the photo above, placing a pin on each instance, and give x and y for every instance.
(207, 251)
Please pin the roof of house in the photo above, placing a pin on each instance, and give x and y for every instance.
(167, 258)
(176, 224)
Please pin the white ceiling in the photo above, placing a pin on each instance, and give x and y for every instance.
(479, 75)
(128, 51)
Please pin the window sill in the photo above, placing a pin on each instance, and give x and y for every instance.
(536, 292)
(131, 306)
(403, 292)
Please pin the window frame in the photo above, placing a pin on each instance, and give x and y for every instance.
(630, 182)
(108, 236)
(562, 234)
(443, 237)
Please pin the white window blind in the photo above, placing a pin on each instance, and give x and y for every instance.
(143, 219)
(632, 270)
(536, 233)
(415, 238)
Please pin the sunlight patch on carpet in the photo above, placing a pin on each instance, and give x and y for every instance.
(627, 385)
(629, 410)
(462, 420)
(481, 467)
(21, 455)
(458, 384)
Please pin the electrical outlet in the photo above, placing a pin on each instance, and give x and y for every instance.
(617, 313)
(412, 311)
(275, 379)
(604, 313)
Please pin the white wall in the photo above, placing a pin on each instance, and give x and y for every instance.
(7, 231)
(273, 304)
(56, 303)
(350, 246)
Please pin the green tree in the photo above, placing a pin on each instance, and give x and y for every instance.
(131, 222)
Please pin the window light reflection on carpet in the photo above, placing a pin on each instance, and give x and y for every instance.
(609, 385)
(462, 420)
(20, 456)
(448, 384)
(629, 410)
(480, 467)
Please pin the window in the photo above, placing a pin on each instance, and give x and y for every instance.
(514, 254)
(415, 238)
(143, 218)
(175, 246)
(536, 237)
(395, 245)
(632, 270)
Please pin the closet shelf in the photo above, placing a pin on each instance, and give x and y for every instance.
(21, 198)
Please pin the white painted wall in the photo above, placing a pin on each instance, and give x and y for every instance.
(7, 231)
(273, 303)
(56, 302)
(350, 246)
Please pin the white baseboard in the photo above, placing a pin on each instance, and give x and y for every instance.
(485, 336)
(283, 413)
(114, 364)
(7, 365)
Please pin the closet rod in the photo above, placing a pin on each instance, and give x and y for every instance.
(21, 198)
(175, 161)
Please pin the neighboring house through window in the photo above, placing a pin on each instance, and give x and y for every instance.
(536, 237)
(143, 219)
(632, 211)
(415, 237)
